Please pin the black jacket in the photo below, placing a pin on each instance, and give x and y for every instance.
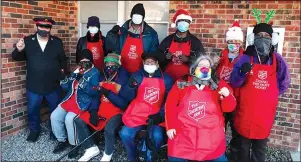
(196, 45)
(82, 44)
(43, 68)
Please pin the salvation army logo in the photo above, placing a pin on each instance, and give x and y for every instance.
(133, 48)
(95, 53)
(225, 73)
(151, 95)
(196, 110)
(176, 59)
(262, 74)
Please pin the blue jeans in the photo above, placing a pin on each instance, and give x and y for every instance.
(222, 158)
(34, 101)
(128, 135)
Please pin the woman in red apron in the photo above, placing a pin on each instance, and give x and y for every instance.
(105, 112)
(194, 115)
(228, 57)
(81, 89)
(94, 41)
(180, 46)
(146, 91)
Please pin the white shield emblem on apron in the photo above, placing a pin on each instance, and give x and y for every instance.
(196, 110)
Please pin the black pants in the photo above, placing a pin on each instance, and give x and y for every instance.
(110, 133)
(229, 117)
(258, 147)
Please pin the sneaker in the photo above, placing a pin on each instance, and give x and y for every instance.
(51, 136)
(106, 157)
(73, 154)
(61, 146)
(89, 154)
(33, 136)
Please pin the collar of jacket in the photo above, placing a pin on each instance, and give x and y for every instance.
(146, 29)
(178, 39)
(158, 74)
(97, 36)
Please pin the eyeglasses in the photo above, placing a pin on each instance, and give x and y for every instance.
(48, 26)
(150, 62)
(263, 34)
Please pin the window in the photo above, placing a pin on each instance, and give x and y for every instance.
(111, 13)
(278, 47)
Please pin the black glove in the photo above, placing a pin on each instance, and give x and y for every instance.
(103, 90)
(93, 117)
(245, 68)
(63, 75)
(115, 29)
(78, 76)
(154, 119)
(184, 58)
(169, 56)
(133, 82)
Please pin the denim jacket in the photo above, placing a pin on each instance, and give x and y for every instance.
(85, 91)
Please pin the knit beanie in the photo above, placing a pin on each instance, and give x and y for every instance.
(263, 27)
(93, 21)
(86, 54)
(138, 9)
(113, 57)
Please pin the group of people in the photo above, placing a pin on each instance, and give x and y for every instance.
(126, 82)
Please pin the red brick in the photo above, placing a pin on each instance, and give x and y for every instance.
(8, 9)
(10, 20)
(22, 11)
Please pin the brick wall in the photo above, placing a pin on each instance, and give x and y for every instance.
(210, 23)
(17, 20)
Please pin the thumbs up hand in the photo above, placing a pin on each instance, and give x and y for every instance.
(20, 45)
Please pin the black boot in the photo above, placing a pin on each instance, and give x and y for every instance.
(73, 154)
(61, 146)
(33, 136)
(51, 136)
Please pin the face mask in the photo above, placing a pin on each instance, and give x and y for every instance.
(85, 64)
(93, 30)
(183, 26)
(233, 48)
(43, 33)
(111, 70)
(137, 19)
(150, 68)
(203, 73)
(263, 45)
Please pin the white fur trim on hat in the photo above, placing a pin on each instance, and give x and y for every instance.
(182, 16)
(235, 33)
(172, 25)
(275, 38)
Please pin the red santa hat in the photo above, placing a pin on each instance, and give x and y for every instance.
(180, 14)
(235, 33)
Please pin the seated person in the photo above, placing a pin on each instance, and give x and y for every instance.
(146, 90)
(109, 106)
(81, 88)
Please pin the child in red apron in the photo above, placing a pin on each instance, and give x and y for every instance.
(81, 89)
(262, 75)
(105, 111)
(228, 57)
(146, 92)
(180, 47)
(94, 41)
(194, 115)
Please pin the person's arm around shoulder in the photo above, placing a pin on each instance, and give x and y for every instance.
(129, 90)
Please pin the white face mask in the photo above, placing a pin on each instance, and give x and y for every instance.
(93, 30)
(150, 68)
(137, 19)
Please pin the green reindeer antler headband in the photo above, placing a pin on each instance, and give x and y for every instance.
(269, 15)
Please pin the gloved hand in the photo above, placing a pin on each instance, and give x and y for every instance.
(184, 58)
(115, 29)
(103, 90)
(169, 56)
(154, 119)
(245, 68)
(133, 82)
(93, 117)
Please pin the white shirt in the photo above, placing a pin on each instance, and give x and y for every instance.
(42, 44)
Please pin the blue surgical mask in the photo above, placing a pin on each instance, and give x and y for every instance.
(183, 26)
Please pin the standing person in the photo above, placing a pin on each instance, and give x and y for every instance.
(228, 56)
(81, 89)
(180, 46)
(146, 90)
(262, 75)
(111, 108)
(45, 58)
(194, 115)
(134, 37)
(94, 41)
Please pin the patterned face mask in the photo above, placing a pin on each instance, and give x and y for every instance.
(203, 73)
(85, 64)
(233, 48)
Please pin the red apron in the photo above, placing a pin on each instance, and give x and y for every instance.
(225, 68)
(150, 97)
(200, 134)
(176, 68)
(98, 53)
(131, 54)
(106, 108)
(70, 105)
(258, 102)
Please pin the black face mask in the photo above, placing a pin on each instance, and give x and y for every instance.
(263, 45)
(111, 70)
(85, 64)
(43, 33)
